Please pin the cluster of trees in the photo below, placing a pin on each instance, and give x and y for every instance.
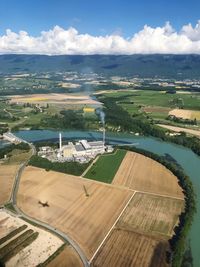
(67, 119)
(7, 149)
(181, 120)
(178, 240)
(74, 168)
(117, 116)
(3, 128)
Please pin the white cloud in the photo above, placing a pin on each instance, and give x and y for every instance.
(59, 41)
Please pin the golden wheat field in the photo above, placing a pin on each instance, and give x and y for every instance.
(126, 248)
(67, 258)
(7, 175)
(141, 173)
(86, 219)
(152, 215)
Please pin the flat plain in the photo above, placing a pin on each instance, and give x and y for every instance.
(126, 248)
(106, 166)
(185, 114)
(67, 258)
(86, 219)
(7, 175)
(156, 215)
(141, 173)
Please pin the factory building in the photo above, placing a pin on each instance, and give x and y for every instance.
(81, 151)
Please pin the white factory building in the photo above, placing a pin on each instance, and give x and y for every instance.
(82, 150)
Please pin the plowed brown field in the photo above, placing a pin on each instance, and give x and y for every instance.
(7, 175)
(129, 249)
(144, 174)
(152, 215)
(67, 258)
(86, 219)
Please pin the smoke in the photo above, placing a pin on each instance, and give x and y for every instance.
(102, 117)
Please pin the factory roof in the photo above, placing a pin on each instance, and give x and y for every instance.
(85, 144)
(96, 143)
(79, 147)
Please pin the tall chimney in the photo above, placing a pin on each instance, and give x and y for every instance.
(104, 136)
(60, 142)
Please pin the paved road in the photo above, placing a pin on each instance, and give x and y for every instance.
(13, 200)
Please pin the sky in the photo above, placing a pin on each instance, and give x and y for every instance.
(99, 26)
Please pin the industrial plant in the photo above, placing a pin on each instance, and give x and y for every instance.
(81, 151)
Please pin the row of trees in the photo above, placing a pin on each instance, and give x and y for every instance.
(178, 241)
(74, 168)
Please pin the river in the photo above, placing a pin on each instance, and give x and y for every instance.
(189, 161)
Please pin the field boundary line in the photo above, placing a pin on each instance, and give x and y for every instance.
(90, 166)
(159, 195)
(101, 244)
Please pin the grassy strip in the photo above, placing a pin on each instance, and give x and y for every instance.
(14, 243)
(13, 233)
(105, 168)
(178, 240)
(20, 246)
(52, 257)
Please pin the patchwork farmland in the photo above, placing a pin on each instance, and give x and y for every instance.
(126, 223)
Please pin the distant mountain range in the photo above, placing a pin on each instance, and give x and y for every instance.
(161, 66)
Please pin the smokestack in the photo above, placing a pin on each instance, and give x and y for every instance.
(104, 136)
(60, 142)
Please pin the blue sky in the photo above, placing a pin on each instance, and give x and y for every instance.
(95, 17)
(99, 27)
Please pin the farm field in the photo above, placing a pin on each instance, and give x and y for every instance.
(67, 258)
(22, 244)
(180, 129)
(7, 175)
(105, 168)
(156, 111)
(185, 114)
(126, 248)
(156, 215)
(141, 173)
(156, 104)
(156, 98)
(54, 99)
(86, 219)
(8, 170)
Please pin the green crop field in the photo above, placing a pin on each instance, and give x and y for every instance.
(106, 166)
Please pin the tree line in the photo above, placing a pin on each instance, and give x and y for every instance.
(73, 168)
